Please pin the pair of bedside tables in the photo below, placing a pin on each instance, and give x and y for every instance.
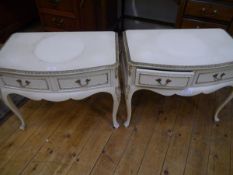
(58, 66)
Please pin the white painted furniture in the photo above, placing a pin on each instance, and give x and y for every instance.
(185, 62)
(59, 66)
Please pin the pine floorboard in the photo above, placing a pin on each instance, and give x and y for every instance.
(167, 136)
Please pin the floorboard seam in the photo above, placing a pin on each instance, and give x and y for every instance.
(190, 140)
(101, 153)
(22, 143)
(169, 143)
(211, 128)
(130, 137)
(60, 123)
(148, 142)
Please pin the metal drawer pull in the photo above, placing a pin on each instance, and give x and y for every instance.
(215, 11)
(218, 77)
(203, 9)
(204, 12)
(58, 21)
(83, 85)
(26, 83)
(166, 82)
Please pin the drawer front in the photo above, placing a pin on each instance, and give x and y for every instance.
(189, 23)
(60, 5)
(215, 76)
(84, 81)
(163, 79)
(209, 10)
(25, 82)
(58, 22)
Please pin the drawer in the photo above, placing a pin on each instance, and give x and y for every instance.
(84, 81)
(60, 5)
(209, 10)
(190, 23)
(163, 79)
(215, 76)
(25, 82)
(58, 22)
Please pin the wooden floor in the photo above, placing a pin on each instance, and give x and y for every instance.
(167, 136)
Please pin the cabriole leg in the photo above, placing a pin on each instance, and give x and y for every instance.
(8, 101)
(228, 99)
(116, 101)
(128, 99)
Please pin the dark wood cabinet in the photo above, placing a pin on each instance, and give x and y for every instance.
(205, 14)
(72, 15)
(14, 14)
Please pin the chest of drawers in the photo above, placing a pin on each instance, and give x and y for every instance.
(205, 14)
(71, 15)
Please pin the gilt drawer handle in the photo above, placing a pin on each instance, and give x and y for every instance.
(203, 9)
(214, 13)
(83, 85)
(204, 12)
(163, 84)
(218, 77)
(58, 21)
(23, 85)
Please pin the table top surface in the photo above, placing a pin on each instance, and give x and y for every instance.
(180, 47)
(58, 51)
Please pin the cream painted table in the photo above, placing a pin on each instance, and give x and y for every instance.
(59, 66)
(185, 62)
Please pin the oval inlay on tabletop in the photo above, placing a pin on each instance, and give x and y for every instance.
(59, 48)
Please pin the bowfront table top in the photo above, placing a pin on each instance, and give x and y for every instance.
(180, 47)
(177, 61)
(58, 51)
(58, 66)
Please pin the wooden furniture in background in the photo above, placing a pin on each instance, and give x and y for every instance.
(205, 14)
(71, 15)
(15, 14)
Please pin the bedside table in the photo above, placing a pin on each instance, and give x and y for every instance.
(185, 62)
(59, 66)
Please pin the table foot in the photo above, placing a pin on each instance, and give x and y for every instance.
(227, 100)
(216, 119)
(22, 127)
(116, 124)
(126, 124)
